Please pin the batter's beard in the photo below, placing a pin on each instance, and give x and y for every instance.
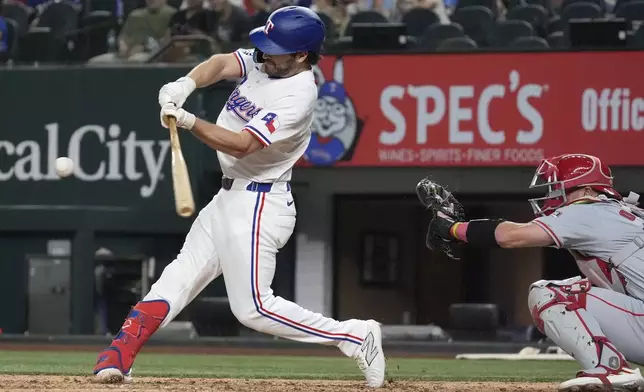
(279, 71)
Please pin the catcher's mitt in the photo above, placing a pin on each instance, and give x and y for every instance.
(445, 210)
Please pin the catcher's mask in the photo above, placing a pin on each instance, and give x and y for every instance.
(566, 173)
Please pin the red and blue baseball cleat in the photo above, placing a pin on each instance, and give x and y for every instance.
(109, 368)
(114, 364)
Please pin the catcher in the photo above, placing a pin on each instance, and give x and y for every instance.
(599, 320)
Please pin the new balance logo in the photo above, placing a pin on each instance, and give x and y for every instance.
(369, 348)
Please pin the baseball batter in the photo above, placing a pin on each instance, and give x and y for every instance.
(599, 320)
(261, 132)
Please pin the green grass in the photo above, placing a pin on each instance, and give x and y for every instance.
(170, 365)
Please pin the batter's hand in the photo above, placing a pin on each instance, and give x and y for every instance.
(176, 93)
(184, 118)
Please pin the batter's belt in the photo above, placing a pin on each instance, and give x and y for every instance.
(242, 184)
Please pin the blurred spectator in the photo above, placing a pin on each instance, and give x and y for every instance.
(4, 42)
(260, 10)
(252, 7)
(385, 7)
(339, 11)
(193, 19)
(438, 6)
(230, 24)
(144, 32)
(401, 8)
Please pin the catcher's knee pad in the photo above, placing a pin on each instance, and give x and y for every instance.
(569, 293)
(558, 309)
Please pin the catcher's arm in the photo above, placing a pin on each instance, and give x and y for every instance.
(521, 235)
(448, 225)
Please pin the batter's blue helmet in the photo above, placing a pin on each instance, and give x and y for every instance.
(290, 30)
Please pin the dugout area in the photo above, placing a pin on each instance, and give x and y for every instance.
(413, 286)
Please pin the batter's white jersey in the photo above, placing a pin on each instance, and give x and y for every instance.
(239, 233)
(277, 111)
(595, 231)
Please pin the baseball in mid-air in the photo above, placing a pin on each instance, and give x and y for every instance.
(64, 166)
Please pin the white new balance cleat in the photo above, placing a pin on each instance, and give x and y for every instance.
(627, 380)
(113, 376)
(370, 357)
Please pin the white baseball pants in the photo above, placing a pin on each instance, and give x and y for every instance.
(238, 234)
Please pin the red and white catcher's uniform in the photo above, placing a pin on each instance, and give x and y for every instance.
(598, 320)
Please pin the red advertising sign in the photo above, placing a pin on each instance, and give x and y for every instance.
(477, 109)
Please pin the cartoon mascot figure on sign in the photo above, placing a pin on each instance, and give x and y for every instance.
(335, 125)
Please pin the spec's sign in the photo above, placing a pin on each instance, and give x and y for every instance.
(477, 109)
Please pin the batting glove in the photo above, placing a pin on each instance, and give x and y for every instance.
(184, 118)
(176, 92)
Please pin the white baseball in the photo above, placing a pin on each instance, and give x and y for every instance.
(64, 166)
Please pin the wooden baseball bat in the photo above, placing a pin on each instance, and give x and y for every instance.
(183, 200)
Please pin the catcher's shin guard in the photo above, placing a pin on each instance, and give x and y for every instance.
(558, 310)
(115, 362)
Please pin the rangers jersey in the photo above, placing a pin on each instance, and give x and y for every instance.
(277, 111)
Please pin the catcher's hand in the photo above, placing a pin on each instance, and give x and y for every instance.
(445, 210)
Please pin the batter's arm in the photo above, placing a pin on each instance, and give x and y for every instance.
(217, 67)
(218, 138)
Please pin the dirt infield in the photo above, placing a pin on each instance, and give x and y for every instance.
(147, 384)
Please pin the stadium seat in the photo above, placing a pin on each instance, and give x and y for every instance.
(489, 4)
(619, 4)
(102, 5)
(436, 33)
(477, 22)
(175, 3)
(62, 17)
(546, 4)
(555, 24)
(113, 7)
(418, 19)
(97, 18)
(633, 10)
(637, 39)
(328, 25)
(558, 40)
(504, 32)
(19, 13)
(38, 45)
(534, 14)
(600, 3)
(532, 43)
(339, 44)
(364, 17)
(92, 38)
(457, 44)
(581, 10)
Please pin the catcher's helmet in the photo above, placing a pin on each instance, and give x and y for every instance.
(565, 173)
(290, 30)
